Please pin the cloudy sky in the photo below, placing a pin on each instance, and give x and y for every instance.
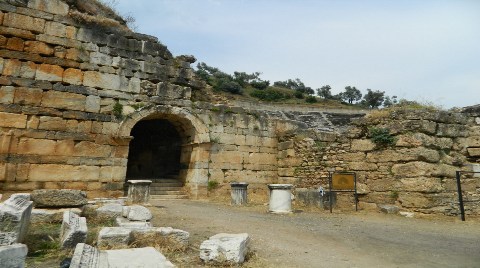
(426, 50)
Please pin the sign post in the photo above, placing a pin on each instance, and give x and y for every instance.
(342, 182)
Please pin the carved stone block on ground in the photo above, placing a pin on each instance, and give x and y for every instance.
(389, 209)
(225, 248)
(13, 256)
(59, 198)
(174, 237)
(110, 210)
(114, 237)
(139, 213)
(15, 215)
(124, 222)
(74, 230)
(87, 256)
(43, 215)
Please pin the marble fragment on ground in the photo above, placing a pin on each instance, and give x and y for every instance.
(176, 238)
(225, 248)
(15, 215)
(13, 256)
(124, 222)
(109, 210)
(88, 256)
(114, 237)
(138, 213)
(74, 230)
(59, 198)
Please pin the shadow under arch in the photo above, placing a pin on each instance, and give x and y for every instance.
(195, 142)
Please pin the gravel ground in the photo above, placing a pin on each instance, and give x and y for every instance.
(320, 239)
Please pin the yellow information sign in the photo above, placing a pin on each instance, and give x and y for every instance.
(343, 181)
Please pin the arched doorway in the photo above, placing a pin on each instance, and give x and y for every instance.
(154, 151)
(168, 142)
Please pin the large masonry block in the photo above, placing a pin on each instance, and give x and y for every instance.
(13, 120)
(50, 6)
(24, 22)
(64, 100)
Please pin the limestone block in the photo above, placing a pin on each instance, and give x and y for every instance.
(91, 149)
(10, 120)
(114, 237)
(109, 210)
(28, 96)
(15, 215)
(225, 247)
(52, 123)
(44, 215)
(74, 230)
(12, 67)
(362, 166)
(77, 55)
(362, 145)
(126, 223)
(2, 61)
(28, 70)
(418, 169)
(414, 200)
(38, 48)
(389, 209)
(179, 238)
(101, 80)
(262, 158)
(6, 94)
(15, 43)
(474, 152)
(452, 130)
(51, 6)
(73, 76)
(100, 58)
(137, 257)
(13, 256)
(92, 104)
(49, 72)
(36, 146)
(24, 22)
(87, 256)
(58, 198)
(139, 213)
(471, 141)
(55, 29)
(422, 184)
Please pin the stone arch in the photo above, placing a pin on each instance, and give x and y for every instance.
(195, 148)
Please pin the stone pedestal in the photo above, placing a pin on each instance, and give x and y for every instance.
(138, 191)
(239, 193)
(280, 198)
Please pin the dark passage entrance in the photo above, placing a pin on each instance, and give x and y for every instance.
(154, 151)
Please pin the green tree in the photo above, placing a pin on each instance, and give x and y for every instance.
(325, 92)
(373, 99)
(388, 102)
(296, 85)
(351, 94)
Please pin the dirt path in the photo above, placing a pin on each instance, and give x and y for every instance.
(321, 239)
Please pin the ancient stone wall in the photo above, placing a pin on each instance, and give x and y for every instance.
(416, 172)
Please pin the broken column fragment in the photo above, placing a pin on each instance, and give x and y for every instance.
(15, 215)
(74, 230)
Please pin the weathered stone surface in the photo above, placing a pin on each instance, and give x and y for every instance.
(175, 237)
(73, 76)
(114, 237)
(13, 120)
(24, 22)
(362, 145)
(473, 152)
(15, 215)
(389, 209)
(225, 248)
(138, 191)
(74, 230)
(50, 6)
(101, 80)
(49, 72)
(13, 256)
(59, 198)
(110, 210)
(39, 48)
(64, 100)
(134, 257)
(124, 222)
(139, 213)
(86, 256)
(40, 215)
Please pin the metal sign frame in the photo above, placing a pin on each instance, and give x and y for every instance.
(330, 177)
(459, 192)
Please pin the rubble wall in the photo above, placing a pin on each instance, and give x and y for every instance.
(417, 172)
